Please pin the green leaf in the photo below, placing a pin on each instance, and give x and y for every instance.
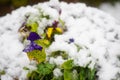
(33, 75)
(82, 74)
(78, 47)
(42, 14)
(2, 72)
(59, 53)
(86, 73)
(45, 68)
(62, 22)
(43, 42)
(26, 68)
(64, 55)
(49, 66)
(37, 55)
(67, 74)
(33, 26)
(68, 64)
(91, 74)
(58, 78)
(45, 16)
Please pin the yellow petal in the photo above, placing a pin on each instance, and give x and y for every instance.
(59, 30)
(49, 32)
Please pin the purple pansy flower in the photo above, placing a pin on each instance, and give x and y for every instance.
(71, 40)
(31, 47)
(33, 36)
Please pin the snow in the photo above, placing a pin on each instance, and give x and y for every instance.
(96, 32)
(12, 59)
(113, 10)
(57, 72)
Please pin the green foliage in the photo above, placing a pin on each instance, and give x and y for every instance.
(33, 76)
(26, 68)
(45, 16)
(78, 47)
(72, 72)
(45, 68)
(82, 74)
(33, 26)
(62, 22)
(85, 73)
(44, 71)
(75, 75)
(2, 72)
(68, 64)
(91, 74)
(59, 53)
(39, 56)
(42, 15)
(67, 74)
(43, 42)
(58, 78)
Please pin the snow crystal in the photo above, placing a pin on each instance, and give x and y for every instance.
(57, 72)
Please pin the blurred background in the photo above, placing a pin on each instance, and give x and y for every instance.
(111, 6)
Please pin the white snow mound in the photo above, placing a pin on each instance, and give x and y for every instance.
(89, 27)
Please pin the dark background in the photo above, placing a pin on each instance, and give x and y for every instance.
(6, 6)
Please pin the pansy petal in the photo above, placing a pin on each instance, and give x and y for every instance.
(55, 24)
(31, 47)
(60, 11)
(37, 47)
(49, 32)
(59, 30)
(71, 40)
(33, 36)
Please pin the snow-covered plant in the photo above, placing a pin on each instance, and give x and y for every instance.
(58, 41)
(37, 43)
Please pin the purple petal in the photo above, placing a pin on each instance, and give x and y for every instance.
(55, 24)
(31, 47)
(33, 36)
(60, 11)
(37, 47)
(71, 40)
